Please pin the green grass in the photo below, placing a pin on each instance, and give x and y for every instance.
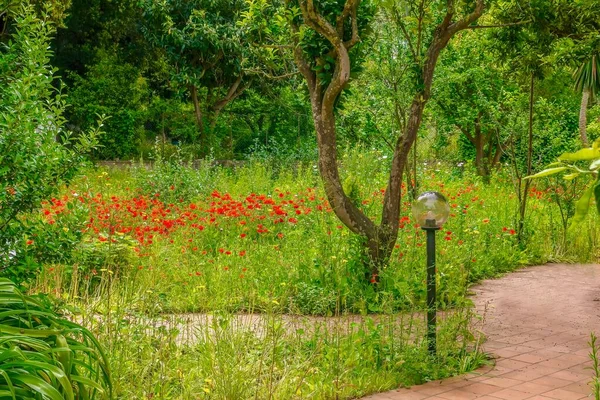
(261, 240)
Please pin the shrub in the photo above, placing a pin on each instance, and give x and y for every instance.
(116, 89)
(42, 354)
(172, 178)
(36, 154)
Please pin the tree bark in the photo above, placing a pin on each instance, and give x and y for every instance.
(235, 90)
(206, 119)
(197, 111)
(585, 98)
(480, 142)
(497, 155)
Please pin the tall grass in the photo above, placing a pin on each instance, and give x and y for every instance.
(206, 284)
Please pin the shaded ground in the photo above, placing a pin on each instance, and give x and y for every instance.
(538, 322)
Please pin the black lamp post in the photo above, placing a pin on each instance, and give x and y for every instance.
(431, 210)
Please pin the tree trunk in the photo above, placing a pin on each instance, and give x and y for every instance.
(480, 150)
(415, 182)
(495, 163)
(197, 111)
(379, 239)
(585, 98)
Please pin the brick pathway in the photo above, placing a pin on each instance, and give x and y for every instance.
(539, 321)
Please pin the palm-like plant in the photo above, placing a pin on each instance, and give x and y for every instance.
(587, 81)
(43, 356)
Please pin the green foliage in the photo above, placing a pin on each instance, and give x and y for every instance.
(473, 96)
(37, 154)
(93, 27)
(45, 356)
(53, 10)
(175, 312)
(168, 120)
(209, 252)
(318, 49)
(313, 300)
(172, 179)
(116, 89)
(201, 39)
(228, 356)
(595, 357)
(549, 32)
(587, 76)
(568, 163)
(375, 110)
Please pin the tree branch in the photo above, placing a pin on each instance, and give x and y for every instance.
(466, 133)
(499, 25)
(234, 91)
(349, 9)
(299, 59)
(355, 38)
(420, 26)
(400, 22)
(468, 20)
(270, 76)
(341, 73)
(317, 22)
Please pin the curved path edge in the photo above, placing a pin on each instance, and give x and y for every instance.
(538, 322)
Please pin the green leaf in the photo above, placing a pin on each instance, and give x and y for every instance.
(572, 176)
(597, 195)
(547, 172)
(39, 333)
(87, 382)
(39, 385)
(58, 373)
(582, 207)
(581, 155)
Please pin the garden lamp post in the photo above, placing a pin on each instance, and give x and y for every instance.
(431, 210)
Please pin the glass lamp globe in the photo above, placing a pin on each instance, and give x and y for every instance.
(431, 210)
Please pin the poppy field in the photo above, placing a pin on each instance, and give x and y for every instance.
(141, 256)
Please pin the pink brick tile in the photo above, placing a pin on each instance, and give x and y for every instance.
(532, 388)
(529, 358)
(568, 375)
(459, 394)
(503, 382)
(561, 394)
(552, 382)
(510, 394)
(481, 388)
(582, 387)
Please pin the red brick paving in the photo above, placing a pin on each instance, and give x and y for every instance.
(538, 325)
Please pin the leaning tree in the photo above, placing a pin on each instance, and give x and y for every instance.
(326, 35)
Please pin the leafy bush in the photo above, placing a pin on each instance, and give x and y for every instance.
(117, 90)
(315, 300)
(172, 178)
(42, 355)
(36, 154)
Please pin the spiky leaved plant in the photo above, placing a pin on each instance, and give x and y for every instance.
(587, 81)
(44, 356)
(595, 357)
